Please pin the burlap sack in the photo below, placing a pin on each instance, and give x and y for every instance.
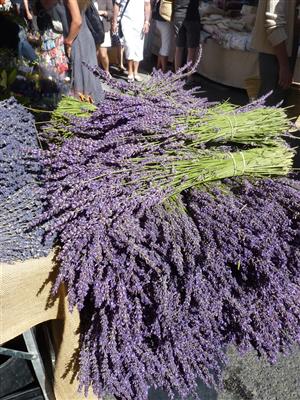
(25, 301)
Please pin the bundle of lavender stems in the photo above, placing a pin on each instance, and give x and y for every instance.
(178, 233)
(19, 190)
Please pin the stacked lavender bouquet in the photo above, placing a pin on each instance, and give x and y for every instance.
(19, 191)
(178, 232)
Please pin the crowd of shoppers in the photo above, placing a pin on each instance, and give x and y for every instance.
(73, 31)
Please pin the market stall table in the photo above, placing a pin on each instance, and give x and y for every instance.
(25, 301)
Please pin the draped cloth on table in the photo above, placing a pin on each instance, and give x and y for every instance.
(25, 301)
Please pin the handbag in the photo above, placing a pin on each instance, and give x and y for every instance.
(48, 18)
(34, 37)
(166, 9)
(120, 32)
(95, 24)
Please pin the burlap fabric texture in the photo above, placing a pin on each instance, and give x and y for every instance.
(25, 301)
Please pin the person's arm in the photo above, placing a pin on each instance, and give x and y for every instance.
(75, 25)
(102, 9)
(147, 11)
(109, 10)
(27, 11)
(114, 23)
(276, 29)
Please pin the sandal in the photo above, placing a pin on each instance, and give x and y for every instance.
(138, 78)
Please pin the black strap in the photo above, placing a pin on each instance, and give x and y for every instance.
(124, 9)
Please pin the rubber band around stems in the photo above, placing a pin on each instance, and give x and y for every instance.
(233, 127)
(235, 167)
(244, 162)
(234, 164)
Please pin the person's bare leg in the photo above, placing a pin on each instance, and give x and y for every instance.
(164, 63)
(192, 55)
(158, 64)
(137, 77)
(178, 57)
(136, 67)
(121, 58)
(130, 69)
(117, 55)
(103, 58)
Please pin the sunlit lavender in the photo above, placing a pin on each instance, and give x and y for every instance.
(166, 278)
(17, 135)
(163, 288)
(19, 192)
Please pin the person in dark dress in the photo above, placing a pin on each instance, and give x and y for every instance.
(79, 44)
(82, 48)
(186, 19)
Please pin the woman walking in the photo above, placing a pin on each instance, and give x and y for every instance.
(135, 23)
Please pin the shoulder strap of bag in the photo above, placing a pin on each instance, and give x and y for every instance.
(124, 9)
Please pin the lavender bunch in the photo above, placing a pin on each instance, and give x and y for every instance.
(143, 273)
(163, 287)
(121, 176)
(18, 240)
(19, 192)
(17, 134)
(252, 126)
(161, 110)
(155, 102)
(142, 325)
(254, 234)
(168, 89)
(121, 116)
(164, 290)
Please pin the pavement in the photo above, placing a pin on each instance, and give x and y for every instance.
(249, 377)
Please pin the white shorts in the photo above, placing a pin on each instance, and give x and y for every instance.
(166, 34)
(107, 40)
(133, 41)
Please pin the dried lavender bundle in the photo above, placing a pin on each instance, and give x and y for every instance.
(162, 88)
(253, 126)
(164, 290)
(128, 263)
(163, 112)
(19, 192)
(17, 134)
(120, 176)
(19, 241)
(155, 103)
(256, 235)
